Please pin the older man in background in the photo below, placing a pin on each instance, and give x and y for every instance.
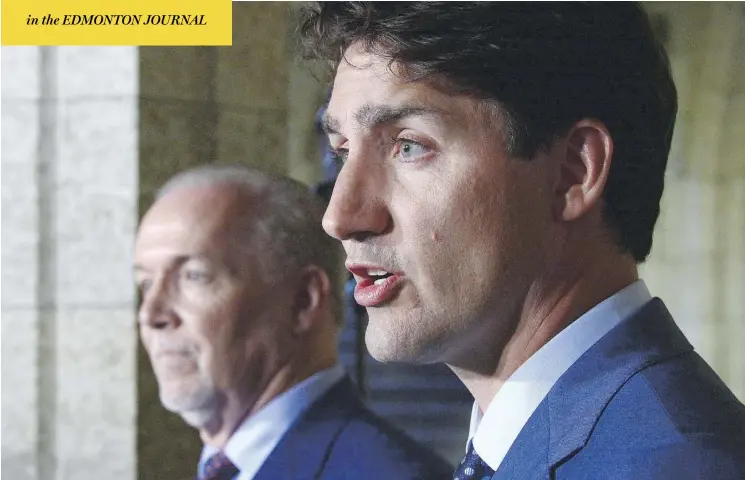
(240, 316)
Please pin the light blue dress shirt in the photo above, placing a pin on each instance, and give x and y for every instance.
(494, 431)
(253, 441)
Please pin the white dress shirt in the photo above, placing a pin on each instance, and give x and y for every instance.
(253, 441)
(494, 431)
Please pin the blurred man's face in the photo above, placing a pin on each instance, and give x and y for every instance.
(443, 231)
(212, 326)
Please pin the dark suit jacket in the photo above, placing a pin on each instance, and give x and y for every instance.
(339, 438)
(640, 404)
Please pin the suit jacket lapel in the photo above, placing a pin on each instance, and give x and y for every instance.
(564, 420)
(527, 459)
(303, 451)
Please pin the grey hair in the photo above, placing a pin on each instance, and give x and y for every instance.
(286, 229)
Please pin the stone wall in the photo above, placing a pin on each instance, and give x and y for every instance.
(697, 265)
(69, 204)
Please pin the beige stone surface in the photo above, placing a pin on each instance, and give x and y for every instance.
(305, 95)
(96, 195)
(20, 240)
(187, 73)
(173, 135)
(69, 205)
(256, 138)
(96, 401)
(253, 71)
(19, 393)
(20, 333)
(733, 134)
(87, 72)
(706, 40)
(20, 67)
(687, 220)
(698, 260)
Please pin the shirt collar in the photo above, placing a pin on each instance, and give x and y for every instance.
(494, 431)
(256, 437)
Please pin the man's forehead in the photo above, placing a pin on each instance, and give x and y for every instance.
(171, 241)
(178, 234)
(356, 57)
(358, 71)
(178, 207)
(372, 105)
(188, 215)
(204, 203)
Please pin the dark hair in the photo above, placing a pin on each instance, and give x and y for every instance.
(546, 66)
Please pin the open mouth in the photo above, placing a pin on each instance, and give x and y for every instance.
(378, 276)
(375, 285)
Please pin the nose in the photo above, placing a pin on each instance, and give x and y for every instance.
(155, 310)
(357, 209)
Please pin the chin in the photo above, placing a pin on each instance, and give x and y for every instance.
(388, 345)
(197, 406)
(409, 336)
(199, 419)
(383, 353)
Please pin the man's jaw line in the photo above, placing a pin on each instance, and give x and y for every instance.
(548, 307)
(238, 407)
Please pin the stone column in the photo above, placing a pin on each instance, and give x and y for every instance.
(69, 209)
(698, 259)
(307, 90)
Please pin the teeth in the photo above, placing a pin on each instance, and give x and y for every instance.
(377, 273)
(379, 282)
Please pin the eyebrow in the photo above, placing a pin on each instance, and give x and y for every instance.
(371, 116)
(177, 261)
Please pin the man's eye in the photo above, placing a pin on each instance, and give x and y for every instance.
(196, 276)
(409, 149)
(338, 155)
(145, 285)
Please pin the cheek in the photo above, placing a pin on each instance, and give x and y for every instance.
(472, 236)
(457, 235)
(209, 323)
(249, 334)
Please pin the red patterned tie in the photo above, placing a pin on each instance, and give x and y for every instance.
(218, 467)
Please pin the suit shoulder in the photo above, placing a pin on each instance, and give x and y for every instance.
(680, 399)
(380, 450)
(687, 460)
(670, 420)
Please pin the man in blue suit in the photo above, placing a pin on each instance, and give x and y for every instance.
(240, 315)
(503, 165)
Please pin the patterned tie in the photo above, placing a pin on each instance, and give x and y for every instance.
(472, 467)
(218, 467)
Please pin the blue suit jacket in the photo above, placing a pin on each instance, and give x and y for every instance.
(339, 438)
(639, 404)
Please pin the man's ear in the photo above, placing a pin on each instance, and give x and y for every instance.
(311, 299)
(584, 166)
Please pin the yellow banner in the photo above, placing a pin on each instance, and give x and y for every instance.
(117, 22)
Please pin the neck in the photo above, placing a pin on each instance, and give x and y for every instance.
(550, 305)
(237, 408)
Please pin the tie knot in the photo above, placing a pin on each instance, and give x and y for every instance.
(472, 467)
(471, 450)
(218, 467)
